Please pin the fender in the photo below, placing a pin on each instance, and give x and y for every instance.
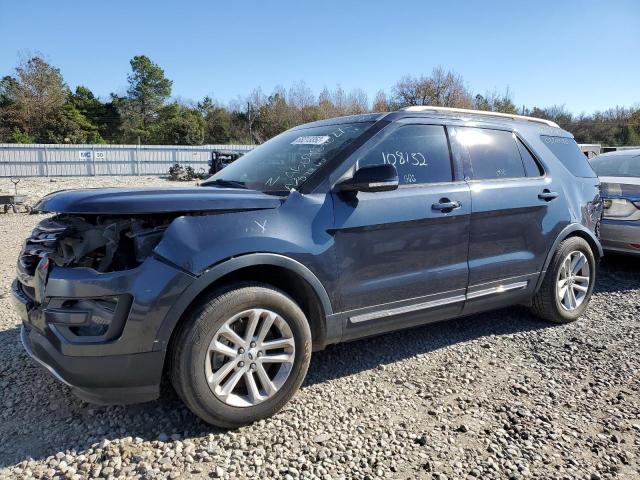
(221, 269)
(567, 231)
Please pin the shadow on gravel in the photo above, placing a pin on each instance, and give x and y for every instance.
(41, 417)
(339, 360)
(624, 270)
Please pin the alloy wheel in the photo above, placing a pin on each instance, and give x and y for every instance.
(250, 357)
(573, 280)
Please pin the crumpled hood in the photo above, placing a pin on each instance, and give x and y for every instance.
(133, 201)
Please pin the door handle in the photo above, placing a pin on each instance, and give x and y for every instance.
(547, 195)
(445, 205)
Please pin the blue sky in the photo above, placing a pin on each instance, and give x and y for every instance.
(583, 54)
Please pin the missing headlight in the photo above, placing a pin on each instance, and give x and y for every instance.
(103, 243)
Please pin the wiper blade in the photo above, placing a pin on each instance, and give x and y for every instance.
(221, 182)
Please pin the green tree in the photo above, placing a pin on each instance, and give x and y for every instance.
(10, 121)
(147, 93)
(274, 116)
(629, 136)
(178, 125)
(33, 98)
(69, 125)
(104, 115)
(18, 136)
(217, 120)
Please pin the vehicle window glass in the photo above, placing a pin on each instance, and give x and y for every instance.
(420, 153)
(567, 151)
(289, 159)
(493, 153)
(531, 166)
(617, 165)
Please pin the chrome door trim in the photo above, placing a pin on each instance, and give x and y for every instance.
(406, 309)
(497, 289)
(390, 312)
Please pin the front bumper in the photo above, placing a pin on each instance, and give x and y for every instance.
(123, 368)
(105, 380)
(620, 236)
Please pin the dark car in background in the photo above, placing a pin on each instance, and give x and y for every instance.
(619, 173)
(222, 158)
(329, 232)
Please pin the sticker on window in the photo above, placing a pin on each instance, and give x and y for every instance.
(311, 140)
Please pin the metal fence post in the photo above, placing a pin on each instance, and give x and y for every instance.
(93, 160)
(46, 161)
(138, 160)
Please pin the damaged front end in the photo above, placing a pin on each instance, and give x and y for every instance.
(93, 291)
(74, 272)
(103, 243)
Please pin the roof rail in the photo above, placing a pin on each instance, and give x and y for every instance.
(427, 108)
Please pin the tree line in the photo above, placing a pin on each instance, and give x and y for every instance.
(37, 106)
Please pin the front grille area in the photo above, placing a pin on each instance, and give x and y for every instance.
(43, 241)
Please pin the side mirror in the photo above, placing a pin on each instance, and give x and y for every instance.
(371, 178)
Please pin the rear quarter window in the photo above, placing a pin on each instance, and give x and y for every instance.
(493, 153)
(567, 151)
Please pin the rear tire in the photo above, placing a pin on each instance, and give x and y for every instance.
(565, 291)
(250, 334)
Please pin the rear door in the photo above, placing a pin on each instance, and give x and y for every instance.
(515, 215)
(402, 255)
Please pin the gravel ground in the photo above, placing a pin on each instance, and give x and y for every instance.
(497, 395)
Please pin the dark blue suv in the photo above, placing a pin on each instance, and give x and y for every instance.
(331, 231)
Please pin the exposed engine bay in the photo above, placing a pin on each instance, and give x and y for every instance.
(104, 243)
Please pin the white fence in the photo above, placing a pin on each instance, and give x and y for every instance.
(39, 160)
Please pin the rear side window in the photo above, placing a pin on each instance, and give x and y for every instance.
(567, 151)
(531, 166)
(493, 153)
(420, 153)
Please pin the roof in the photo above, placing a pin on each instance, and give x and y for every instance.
(481, 113)
(440, 112)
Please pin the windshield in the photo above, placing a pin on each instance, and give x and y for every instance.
(288, 160)
(617, 165)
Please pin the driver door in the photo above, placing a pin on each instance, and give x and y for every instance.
(402, 254)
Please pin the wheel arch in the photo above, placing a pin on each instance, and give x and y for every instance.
(279, 271)
(572, 230)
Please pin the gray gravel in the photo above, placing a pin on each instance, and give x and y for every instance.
(497, 395)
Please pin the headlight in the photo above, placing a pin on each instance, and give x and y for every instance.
(619, 208)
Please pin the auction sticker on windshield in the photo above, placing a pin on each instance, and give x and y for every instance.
(311, 140)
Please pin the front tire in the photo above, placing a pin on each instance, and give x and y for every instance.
(240, 355)
(568, 284)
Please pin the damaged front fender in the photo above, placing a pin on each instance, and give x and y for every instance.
(299, 230)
